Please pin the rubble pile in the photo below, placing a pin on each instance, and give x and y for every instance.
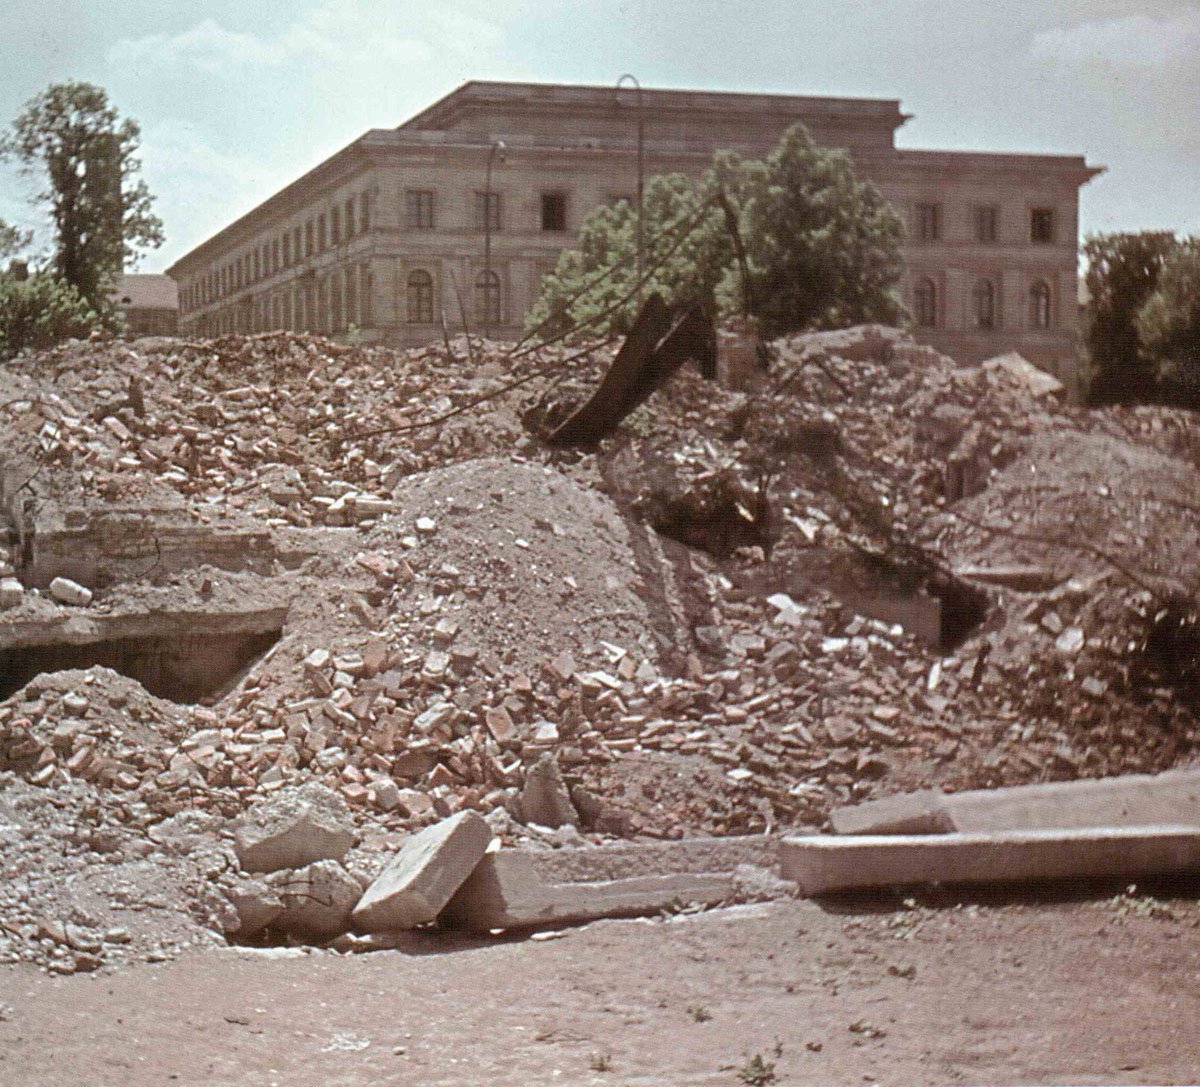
(875, 571)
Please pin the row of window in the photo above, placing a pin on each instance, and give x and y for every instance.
(488, 304)
(329, 229)
(420, 211)
(335, 302)
(985, 223)
(331, 304)
(985, 306)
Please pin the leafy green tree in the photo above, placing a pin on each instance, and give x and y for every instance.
(823, 249)
(671, 202)
(1169, 323)
(99, 206)
(12, 240)
(39, 310)
(1123, 272)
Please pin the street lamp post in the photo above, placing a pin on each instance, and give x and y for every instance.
(641, 167)
(487, 241)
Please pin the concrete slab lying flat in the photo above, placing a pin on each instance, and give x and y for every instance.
(506, 892)
(823, 864)
(1130, 800)
(419, 881)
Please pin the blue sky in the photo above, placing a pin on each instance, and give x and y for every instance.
(236, 99)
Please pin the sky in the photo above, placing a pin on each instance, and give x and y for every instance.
(238, 98)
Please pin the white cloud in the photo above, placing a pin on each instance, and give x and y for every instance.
(1139, 42)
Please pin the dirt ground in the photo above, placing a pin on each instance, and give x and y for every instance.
(1104, 990)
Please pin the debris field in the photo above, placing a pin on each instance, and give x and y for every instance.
(350, 596)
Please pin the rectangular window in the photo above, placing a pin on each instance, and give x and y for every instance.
(987, 219)
(1041, 225)
(554, 211)
(487, 211)
(322, 237)
(258, 264)
(929, 222)
(308, 238)
(418, 209)
(287, 250)
(350, 218)
(274, 256)
(335, 226)
(364, 213)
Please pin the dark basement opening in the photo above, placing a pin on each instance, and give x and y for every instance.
(184, 668)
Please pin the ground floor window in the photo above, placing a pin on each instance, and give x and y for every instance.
(984, 304)
(926, 298)
(1039, 305)
(487, 298)
(420, 297)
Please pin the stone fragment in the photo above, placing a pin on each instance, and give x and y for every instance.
(256, 905)
(294, 827)
(66, 591)
(317, 900)
(12, 592)
(545, 799)
(418, 882)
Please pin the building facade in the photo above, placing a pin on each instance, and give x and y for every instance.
(458, 213)
(149, 304)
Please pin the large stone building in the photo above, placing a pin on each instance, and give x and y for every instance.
(391, 232)
(149, 303)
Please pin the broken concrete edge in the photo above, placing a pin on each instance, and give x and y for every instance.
(825, 864)
(1171, 798)
(505, 892)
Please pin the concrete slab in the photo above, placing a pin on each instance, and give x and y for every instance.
(419, 881)
(1129, 800)
(822, 864)
(506, 892)
(292, 828)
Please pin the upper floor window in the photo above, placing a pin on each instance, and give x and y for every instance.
(418, 209)
(929, 222)
(420, 297)
(321, 235)
(335, 226)
(1039, 305)
(983, 299)
(926, 299)
(987, 219)
(350, 218)
(487, 211)
(258, 264)
(275, 255)
(554, 211)
(364, 212)
(308, 238)
(287, 249)
(1041, 225)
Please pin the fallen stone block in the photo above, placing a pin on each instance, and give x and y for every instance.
(822, 864)
(257, 906)
(317, 900)
(66, 591)
(292, 828)
(419, 881)
(12, 592)
(1172, 798)
(505, 892)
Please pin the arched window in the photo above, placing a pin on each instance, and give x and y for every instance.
(984, 299)
(487, 298)
(926, 297)
(420, 297)
(1039, 305)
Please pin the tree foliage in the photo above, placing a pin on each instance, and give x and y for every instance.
(822, 247)
(12, 240)
(99, 206)
(1123, 272)
(39, 310)
(1169, 322)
